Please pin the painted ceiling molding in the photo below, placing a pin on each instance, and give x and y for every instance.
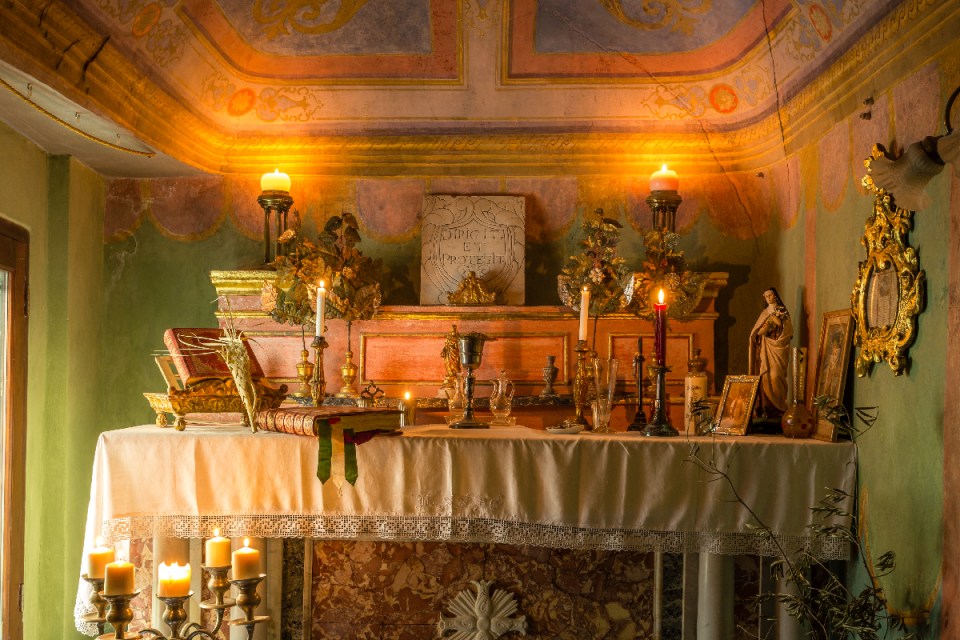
(228, 88)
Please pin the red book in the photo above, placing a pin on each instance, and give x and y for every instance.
(196, 360)
(304, 421)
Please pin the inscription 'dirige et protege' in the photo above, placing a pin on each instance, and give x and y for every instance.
(483, 234)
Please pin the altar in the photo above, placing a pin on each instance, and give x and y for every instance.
(618, 493)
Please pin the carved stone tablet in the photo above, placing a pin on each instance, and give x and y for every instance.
(482, 234)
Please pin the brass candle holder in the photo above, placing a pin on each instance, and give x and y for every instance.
(218, 585)
(659, 424)
(581, 385)
(248, 600)
(640, 420)
(664, 205)
(304, 375)
(175, 616)
(97, 602)
(318, 383)
(119, 615)
(348, 372)
(279, 202)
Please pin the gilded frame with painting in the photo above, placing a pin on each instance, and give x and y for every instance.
(736, 405)
(833, 360)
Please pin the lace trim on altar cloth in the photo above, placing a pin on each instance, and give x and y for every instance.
(478, 530)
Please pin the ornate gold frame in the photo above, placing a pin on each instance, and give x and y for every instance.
(885, 239)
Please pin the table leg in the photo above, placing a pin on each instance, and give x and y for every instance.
(715, 597)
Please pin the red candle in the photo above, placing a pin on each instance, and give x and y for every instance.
(660, 331)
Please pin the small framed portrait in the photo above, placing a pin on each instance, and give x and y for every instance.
(833, 359)
(736, 405)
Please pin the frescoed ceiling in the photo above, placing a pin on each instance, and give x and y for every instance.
(325, 84)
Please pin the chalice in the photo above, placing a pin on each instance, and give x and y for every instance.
(471, 351)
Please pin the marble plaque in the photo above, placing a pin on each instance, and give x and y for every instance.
(483, 234)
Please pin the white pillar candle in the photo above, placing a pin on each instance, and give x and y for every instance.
(97, 559)
(118, 578)
(664, 180)
(246, 562)
(584, 312)
(275, 181)
(217, 550)
(321, 307)
(173, 580)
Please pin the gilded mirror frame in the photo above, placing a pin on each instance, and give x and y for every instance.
(886, 315)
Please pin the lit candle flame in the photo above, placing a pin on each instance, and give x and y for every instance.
(99, 541)
(321, 284)
(663, 167)
(406, 395)
(660, 296)
(246, 542)
(216, 532)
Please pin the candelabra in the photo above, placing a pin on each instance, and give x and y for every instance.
(119, 615)
(97, 602)
(659, 424)
(247, 600)
(318, 383)
(640, 420)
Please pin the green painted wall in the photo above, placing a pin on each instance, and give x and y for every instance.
(61, 203)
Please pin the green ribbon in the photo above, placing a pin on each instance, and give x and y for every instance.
(325, 450)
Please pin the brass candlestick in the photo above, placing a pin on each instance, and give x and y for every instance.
(318, 383)
(97, 602)
(280, 202)
(640, 420)
(248, 600)
(174, 616)
(348, 372)
(119, 615)
(660, 422)
(581, 385)
(664, 205)
(218, 585)
(304, 375)
(471, 352)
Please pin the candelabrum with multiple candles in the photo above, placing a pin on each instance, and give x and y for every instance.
(112, 582)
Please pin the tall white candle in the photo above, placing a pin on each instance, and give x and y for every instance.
(246, 562)
(98, 558)
(217, 550)
(321, 307)
(173, 580)
(584, 312)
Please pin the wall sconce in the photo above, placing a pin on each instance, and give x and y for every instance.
(908, 175)
(275, 196)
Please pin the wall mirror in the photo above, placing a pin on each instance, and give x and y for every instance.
(888, 294)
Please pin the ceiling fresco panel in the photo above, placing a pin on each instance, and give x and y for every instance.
(381, 40)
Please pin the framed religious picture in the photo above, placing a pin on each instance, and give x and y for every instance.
(833, 358)
(736, 405)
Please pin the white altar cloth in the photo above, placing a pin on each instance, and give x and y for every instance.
(504, 485)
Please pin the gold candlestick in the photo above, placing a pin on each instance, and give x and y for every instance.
(581, 385)
(318, 384)
(348, 372)
(119, 615)
(218, 585)
(304, 375)
(97, 602)
(248, 600)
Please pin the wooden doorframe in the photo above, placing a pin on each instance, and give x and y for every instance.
(14, 258)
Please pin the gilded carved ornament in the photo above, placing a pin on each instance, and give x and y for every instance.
(888, 294)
